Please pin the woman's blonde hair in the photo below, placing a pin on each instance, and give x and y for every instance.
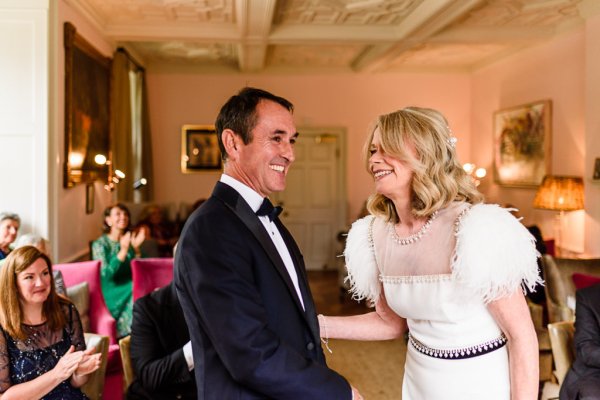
(11, 314)
(439, 178)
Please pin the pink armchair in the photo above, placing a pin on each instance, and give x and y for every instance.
(149, 274)
(101, 321)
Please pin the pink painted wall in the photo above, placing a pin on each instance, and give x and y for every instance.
(351, 101)
(552, 71)
(592, 136)
(74, 227)
(564, 70)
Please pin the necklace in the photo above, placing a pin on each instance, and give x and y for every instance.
(415, 237)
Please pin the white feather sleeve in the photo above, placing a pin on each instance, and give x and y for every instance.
(495, 253)
(363, 274)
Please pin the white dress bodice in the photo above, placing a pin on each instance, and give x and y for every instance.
(441, 284)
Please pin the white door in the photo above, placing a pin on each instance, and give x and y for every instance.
(314, 201)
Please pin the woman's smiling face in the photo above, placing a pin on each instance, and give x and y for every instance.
(393, 177)
(34, 283)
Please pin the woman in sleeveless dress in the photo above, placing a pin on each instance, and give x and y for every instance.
(42, 348)
(437, 262)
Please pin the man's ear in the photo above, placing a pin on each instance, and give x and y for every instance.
(231, 142)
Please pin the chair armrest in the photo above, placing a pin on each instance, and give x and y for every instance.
(94, 386)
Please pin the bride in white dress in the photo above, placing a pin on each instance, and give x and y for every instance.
(432, 258)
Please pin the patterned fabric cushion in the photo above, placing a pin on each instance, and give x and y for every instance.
(80, 296)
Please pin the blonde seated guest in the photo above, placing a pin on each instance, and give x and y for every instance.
(35, 240)
(42, 347)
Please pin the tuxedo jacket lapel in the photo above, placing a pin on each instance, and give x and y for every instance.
(238, 205)
(302, 278)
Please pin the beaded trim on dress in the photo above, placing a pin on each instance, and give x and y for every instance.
(415, 237)
(459, 354)
(415, 278)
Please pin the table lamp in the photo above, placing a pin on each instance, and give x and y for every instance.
(559, 193)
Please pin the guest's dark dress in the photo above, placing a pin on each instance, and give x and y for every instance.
(23, 361)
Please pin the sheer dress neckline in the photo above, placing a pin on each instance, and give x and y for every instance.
(426, 258)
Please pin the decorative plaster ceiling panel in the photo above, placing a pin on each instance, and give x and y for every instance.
(139, 11)
(446, 55)
(186, 52)
(359, 35)
(343, 12)
(526, 13)
(313, 56)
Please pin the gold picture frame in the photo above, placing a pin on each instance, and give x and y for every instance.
(523, 144)
(87, 109)
(596, 172)
(199, 149)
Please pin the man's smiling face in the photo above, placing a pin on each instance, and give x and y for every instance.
(264, 162)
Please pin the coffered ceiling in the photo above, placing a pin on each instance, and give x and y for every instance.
(330, 35)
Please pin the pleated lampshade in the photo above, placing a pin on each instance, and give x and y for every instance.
(560, 193)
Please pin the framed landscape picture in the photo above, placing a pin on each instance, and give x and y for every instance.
(522, 144)
(199, 149)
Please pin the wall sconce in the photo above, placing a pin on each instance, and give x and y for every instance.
(560, 193)
(140, 183)
(476, 174)
(114, 176)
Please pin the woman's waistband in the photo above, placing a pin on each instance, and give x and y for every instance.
(459, 354)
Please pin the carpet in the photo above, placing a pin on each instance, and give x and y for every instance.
(374, 368)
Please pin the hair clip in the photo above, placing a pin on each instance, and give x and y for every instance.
(452, 141)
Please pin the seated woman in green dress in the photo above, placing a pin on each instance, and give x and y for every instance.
(116, 248)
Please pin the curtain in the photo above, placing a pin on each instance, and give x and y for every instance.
(131, 145)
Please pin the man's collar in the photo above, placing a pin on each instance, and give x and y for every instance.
(251, 197)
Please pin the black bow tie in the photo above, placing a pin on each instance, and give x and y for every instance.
(266, 208)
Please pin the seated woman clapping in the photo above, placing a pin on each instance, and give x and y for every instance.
(116, 248)
(42, 348)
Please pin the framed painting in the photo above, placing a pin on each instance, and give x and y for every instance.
(522, 144)
(87, 109)
(596, 173)
(199, 149)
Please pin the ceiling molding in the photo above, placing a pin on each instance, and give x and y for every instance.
(301, 36)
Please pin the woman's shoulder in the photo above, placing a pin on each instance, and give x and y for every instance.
(494, 252)
(66, 307)
(101, 240)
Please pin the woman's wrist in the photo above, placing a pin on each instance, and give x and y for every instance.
(323, 331)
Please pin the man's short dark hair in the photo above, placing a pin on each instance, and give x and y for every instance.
(239, 114)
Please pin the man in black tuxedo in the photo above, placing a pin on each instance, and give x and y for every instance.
(161, 351)
(240, 276)
(583, 379)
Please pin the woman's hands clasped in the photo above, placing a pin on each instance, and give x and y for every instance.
(76, 364)
(133, 239)
(67, 364)
(89, 363)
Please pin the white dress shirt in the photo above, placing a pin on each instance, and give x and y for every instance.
(255, 200)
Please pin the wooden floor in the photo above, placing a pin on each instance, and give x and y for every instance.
(328, 296)
(374, 368)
